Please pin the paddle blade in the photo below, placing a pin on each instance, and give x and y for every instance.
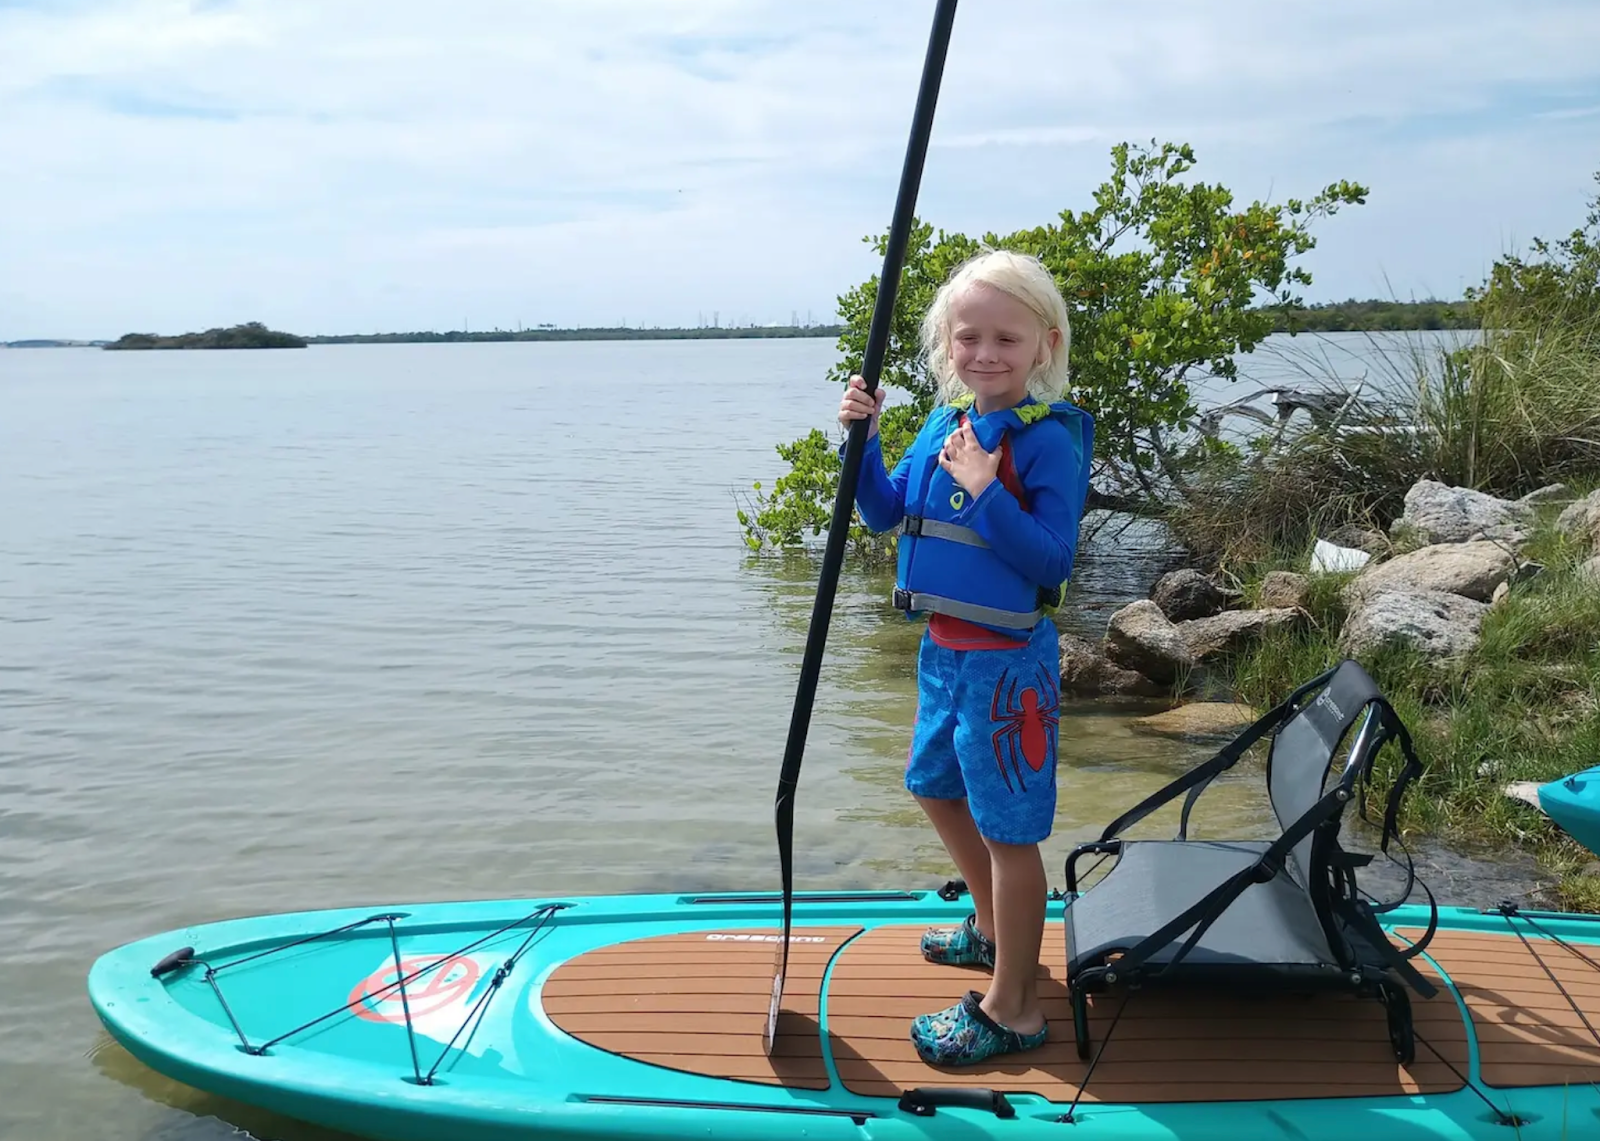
(780, 953)
(769, 1034)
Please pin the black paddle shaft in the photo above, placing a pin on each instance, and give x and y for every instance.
(855, 445)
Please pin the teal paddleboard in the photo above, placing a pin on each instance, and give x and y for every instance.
(643, 1016)
(1574, 803)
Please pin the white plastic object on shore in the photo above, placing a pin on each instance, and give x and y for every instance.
(1326, 557)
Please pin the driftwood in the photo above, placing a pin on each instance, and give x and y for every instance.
(1527, 791)
(1325, 408)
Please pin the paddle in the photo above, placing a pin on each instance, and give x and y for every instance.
(844, 503)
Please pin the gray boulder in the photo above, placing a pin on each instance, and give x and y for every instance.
(1141, 638)
(1472, 570)
(1438, 513)
(1233, 630)
(1549, 493)
(1581, 521)
(1086, 672)
(1438, 623)
(1284, 589)
(1186, 593)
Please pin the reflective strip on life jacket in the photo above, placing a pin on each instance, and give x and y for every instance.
(1010, 619)
(922, 528)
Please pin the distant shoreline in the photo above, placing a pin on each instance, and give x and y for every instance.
(586, 333)
(1371, 316)
(455, 336)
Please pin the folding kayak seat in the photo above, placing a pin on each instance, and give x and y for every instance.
(1282, 915)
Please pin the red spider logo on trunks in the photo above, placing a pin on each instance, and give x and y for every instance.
(1029, 729)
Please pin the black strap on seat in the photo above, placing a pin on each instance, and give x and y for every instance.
(1196, 779)
(1394, 728)
(1356, 913)
(1412, 769)
(1361, 916)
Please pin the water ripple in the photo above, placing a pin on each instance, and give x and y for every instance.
(371, 624)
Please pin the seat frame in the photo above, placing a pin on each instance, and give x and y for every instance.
(1367, 963)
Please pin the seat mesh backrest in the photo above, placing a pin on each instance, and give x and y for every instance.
(1303, 750)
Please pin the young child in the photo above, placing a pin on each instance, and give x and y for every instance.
(988, 498)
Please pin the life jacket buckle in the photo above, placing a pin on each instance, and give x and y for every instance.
(901, 599)
(911, 525)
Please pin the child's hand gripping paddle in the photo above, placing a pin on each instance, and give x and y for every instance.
(844, 503)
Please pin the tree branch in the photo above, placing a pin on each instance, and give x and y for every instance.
(1123, 504)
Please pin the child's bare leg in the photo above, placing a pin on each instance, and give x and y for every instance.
(1019, 907)
(952, 820)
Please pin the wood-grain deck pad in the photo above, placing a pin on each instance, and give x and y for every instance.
(698, 1002)
(1528, 1032)
(1166, 1048)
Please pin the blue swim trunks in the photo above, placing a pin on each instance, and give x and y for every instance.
(986, 731)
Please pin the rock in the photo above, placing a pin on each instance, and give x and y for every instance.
(1438, 623)
(1285, 589)
(1439, 513)
(1139, 637)
(1472, 570)
(1589, 570)
(1233, 630)
(1187, 593)
(1501, 593)
(1086, 672)
(1199, 719)
(1581, 521)
(1508, 535)
(1549, 493)
(1359, 538)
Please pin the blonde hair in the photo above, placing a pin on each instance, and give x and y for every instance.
(1021, 277)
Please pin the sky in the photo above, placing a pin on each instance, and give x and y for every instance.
(333, 166)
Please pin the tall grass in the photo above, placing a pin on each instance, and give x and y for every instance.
(1513, 411)
(1516, 412)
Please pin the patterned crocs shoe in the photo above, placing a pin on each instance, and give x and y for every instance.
(963, 1035)
(962, 946)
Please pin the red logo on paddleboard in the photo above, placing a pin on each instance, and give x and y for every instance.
(377, 997)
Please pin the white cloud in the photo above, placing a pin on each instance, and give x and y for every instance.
(410, 164)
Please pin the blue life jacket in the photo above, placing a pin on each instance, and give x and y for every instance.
(947, 567)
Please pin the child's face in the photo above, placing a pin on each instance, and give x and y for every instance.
(995, 344)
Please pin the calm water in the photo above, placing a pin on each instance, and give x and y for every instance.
(375, 624)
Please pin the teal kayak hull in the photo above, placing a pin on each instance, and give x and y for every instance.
(1574, 803)
(302, 1018)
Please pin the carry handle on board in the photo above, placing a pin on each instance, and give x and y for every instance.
(844, 502)
(925, 1102)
